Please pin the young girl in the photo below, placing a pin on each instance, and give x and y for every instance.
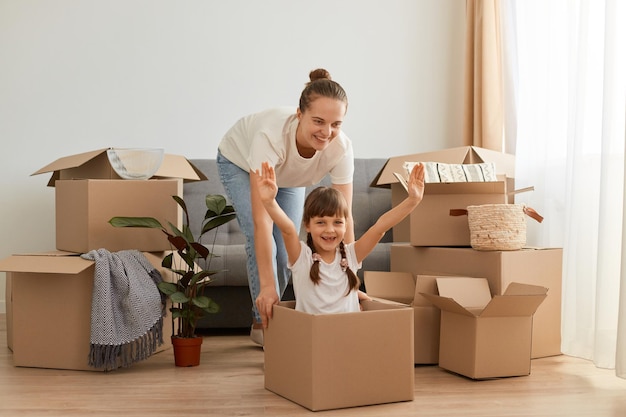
(324, 267)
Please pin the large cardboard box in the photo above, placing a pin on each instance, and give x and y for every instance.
(431, 224)
(406, 288)
(88, 193)
(527, 266)
(343, 360)
(484, 336)
(50, 321)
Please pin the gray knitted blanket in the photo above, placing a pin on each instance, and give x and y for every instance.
(127, 309)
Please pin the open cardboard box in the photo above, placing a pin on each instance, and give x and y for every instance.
(430, 224)
(406, 288)
(534, 266)
(330, 361)
(95, 165)
(49, 299)
(483, 336)
(88, 193)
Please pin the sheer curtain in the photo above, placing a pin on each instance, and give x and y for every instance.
(570, 100)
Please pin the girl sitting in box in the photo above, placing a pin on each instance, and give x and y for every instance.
(323, 269)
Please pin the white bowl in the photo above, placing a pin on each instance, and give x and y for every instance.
(135, 163)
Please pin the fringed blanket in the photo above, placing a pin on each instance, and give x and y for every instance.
(127, 309)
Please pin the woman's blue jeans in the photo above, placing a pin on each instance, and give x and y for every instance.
(236, 182)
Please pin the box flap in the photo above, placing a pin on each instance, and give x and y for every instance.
(385, 301)
(516, 288)
(424, 284)
(177, 166)
(95, 165)
(71, 161)
(447, 304)
(394, 286)
(471, 293)
(505, 163)
(513, 305)
(45, 263)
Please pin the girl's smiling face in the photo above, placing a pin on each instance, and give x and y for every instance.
(319, 125)
(327, 232)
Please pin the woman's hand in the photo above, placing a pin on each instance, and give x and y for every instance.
(265, 304)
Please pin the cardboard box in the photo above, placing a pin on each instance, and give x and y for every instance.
(51, 309)
(430, 224)
(88, 193)
(343, 360)
(527, 266)
(83, 209)
(484, 336)
(95, 165)
(406, 288)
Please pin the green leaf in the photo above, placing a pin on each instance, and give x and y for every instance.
(179, 298)
(146, 222)
(206, 304)
(215, 203)
(167, 288)
(216, 222)
(168, 261)
(201, 301)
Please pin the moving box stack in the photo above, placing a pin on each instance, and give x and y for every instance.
(479, 311)
(49, 294)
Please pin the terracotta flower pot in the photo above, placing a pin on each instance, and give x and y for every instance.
(187, 350)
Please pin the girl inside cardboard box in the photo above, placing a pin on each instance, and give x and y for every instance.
(324, 267)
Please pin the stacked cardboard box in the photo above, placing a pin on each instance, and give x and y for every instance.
(431, 243)
(535, 266)
(49, 294)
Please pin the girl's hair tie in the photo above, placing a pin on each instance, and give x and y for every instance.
(344, 264)
(316, 257)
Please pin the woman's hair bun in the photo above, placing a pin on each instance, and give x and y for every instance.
(318, 74)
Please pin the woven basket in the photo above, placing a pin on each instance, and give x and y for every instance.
(497, 226)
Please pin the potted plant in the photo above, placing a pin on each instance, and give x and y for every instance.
(189, 304)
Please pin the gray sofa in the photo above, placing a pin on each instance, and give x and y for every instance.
(230, 288)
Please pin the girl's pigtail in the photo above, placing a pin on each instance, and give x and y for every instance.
(353, 281)
(314, 274)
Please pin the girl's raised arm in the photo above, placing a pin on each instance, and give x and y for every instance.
(267, 189)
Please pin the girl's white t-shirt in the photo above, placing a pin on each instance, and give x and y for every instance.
(329, 295)
(270, 136)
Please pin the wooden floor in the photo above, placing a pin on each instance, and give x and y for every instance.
(229, 382)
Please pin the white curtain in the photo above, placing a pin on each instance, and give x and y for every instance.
(570, 101)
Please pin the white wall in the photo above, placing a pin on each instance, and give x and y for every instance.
(77, 75)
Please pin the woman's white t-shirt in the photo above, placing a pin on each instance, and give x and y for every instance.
(270, 136)
(329, 295)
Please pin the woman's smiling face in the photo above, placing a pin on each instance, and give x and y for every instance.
(319, 125)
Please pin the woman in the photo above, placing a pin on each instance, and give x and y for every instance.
(303, 147)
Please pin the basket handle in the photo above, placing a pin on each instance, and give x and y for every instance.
(530, 212)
